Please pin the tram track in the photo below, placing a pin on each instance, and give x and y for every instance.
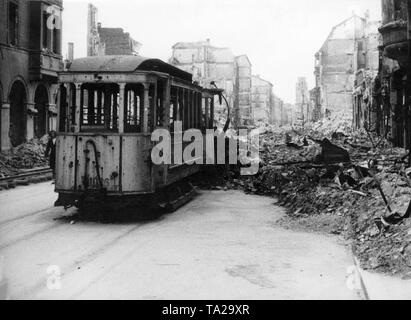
(28, 236)
(21, 217)
(26, 177)
(82, 261)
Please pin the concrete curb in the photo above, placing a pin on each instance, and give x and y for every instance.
(362, 286)
(376, 286)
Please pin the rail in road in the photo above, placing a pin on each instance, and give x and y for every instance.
(26, 177)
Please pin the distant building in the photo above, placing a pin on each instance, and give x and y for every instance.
(345, 51)
(30, 57)
(287, 114)
(277, 111)
(108, 41)
(243, 88)
(262, 100)
(303, 101)
(208, 63)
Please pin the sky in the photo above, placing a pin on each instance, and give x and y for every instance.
(280, 37)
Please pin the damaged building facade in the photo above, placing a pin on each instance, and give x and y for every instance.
(390, 95)
(303, 112)
(30, 57)
(208, 64)
(251, 97)
(366, 78)
(108, 41)
(262, 100)
(349, 48)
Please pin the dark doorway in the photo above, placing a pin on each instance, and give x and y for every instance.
(17, 114)
(41, 102)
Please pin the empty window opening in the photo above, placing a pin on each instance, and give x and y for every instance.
(134, 108)
(13, 23)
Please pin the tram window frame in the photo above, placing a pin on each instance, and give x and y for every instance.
(64, 122)
(134, 107)
(174, 107)
(104, 99)
(203, 113)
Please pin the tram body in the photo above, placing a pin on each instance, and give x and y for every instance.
(108, 108)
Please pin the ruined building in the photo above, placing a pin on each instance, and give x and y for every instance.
(242, 86)
(287, 114)
(108, 41)
(208, 63)
(30, 57)
(302, 102)
(277, 111)
(366, 78)
(390, 112)
(262, 100)
(345, 51)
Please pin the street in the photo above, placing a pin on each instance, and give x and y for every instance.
(221, 245)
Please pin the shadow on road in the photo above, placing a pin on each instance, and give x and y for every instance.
(130, 216)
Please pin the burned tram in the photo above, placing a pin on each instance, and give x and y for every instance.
(108, 108)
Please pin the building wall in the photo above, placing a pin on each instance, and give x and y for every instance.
(244, 83)
(340, 56)
(391, 102)
(28, 71)
(303, 102)
(262, 94)
(108, 41)
(366, 79)
(208, 63)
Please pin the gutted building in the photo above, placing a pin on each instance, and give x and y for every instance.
(287, 117)
(30, 57)
(262, 100)
(366, 80)
(391, 115)
(209, 64)
(303, 110)
(243, 90)
(277, 111)
(108, 41)
(343, 53)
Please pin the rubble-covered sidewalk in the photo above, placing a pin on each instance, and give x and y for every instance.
(26, 156)
(334, 180)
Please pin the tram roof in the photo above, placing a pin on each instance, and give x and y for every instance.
(126, 64)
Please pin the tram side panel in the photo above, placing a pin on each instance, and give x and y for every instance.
(137, 169)
(65, 162)
(103, 151)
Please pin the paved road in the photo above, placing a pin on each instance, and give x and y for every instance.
(222, 245)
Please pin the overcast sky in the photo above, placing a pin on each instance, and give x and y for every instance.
(279, 36)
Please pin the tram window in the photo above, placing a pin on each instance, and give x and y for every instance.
(63, 121)
(160, 112)
(181, 107)
(99, 107)
(203, 114)
(198, 111)
(134, 108)
(150, 116)
(172, 111)
(72, 104)
(187, 110)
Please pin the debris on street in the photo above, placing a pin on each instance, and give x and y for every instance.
(26, 156)
(341, 183)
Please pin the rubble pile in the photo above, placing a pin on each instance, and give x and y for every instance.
(26, 156)
(342, 182)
